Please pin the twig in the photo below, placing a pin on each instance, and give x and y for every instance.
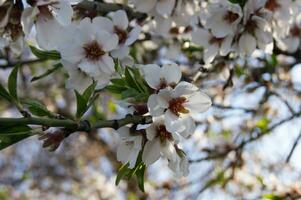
(293, 148)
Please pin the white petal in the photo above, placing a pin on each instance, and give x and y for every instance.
(145, 6)
(184, 88)
(103, 23)
(133, 35)
(124, 132)
(168, 150)
(120, 19)
(63, 12)
(153, 107)
(164, 7)
(107, 41)
(107, 64)
(90, 68)
(152, 75)
(247, 44)
(226, 46)
(49, 33)
(151, 132)
(201, 37)
(71, 52)
(151, 152)
(120, 53)
(185, 126)
(210, 53)
(27, 19)
(171, 73)
(198, 102)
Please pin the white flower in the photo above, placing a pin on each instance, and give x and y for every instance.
(291, 42)
(160, 142)
(79, 80)
(129, 147)
(257, 29)
(119, 25)
(49, 17)
(5, 11)
(282, 11)
(89, 49)
(180, 165)
(161, 77)
(162, 7)
(223, 18)
(177, 105)
(211, 44)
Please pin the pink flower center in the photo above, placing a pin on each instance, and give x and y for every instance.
(272, 5)
(295, 31)
(122, 35)
(215, 40)
(163, 134)
(93, 51)
(230, 17)
(176, 106)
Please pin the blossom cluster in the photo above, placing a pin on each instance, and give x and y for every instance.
(91, 47)
(172, 105)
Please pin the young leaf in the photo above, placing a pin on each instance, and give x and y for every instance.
(12, 82)
(38, 109)
(140, 176)
(130, 79)
(122, 172)
(10, 135)
(4, 94)
(51, 55)
(89, 91)
(81, 105)
(48, 72)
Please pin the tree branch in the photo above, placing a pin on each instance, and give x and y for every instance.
(80, 126)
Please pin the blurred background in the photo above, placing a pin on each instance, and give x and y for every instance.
(245, 146)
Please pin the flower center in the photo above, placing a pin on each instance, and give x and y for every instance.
(295, 31)
(251, 25)
(122, 35)
(230, 17)
(163, 134)
(93, 51)
(272, 5)
(215, 40)
(176, 106)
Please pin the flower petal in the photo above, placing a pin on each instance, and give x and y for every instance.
(63, 12)
(198, 102)
(153, 107)
(164, 7)
(103, 23)
(133, 35)
(171, 73)
(120, 19)
(151, 152)
(107, 41)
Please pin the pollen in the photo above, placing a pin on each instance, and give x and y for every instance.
(163, 134)
(122, 35)
(176, 106)
(93, 51)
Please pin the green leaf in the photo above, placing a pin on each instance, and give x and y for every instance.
(81, 105)
(140, 176)
(38, 109)
(271, 197)
(48, 72)
(51, 55)
(129, 79)
(4, 93)
(12, 82)
(82, 100)
(240, 2)
(89, 91)
(263, 124)
(122, 172)
(10, 135)
(115, 89)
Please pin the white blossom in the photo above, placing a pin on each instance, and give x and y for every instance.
(129, 146)
(161, 77)
(211, 44)
(89, 49)
(119, 25)
(162, 7)
(177, 105)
